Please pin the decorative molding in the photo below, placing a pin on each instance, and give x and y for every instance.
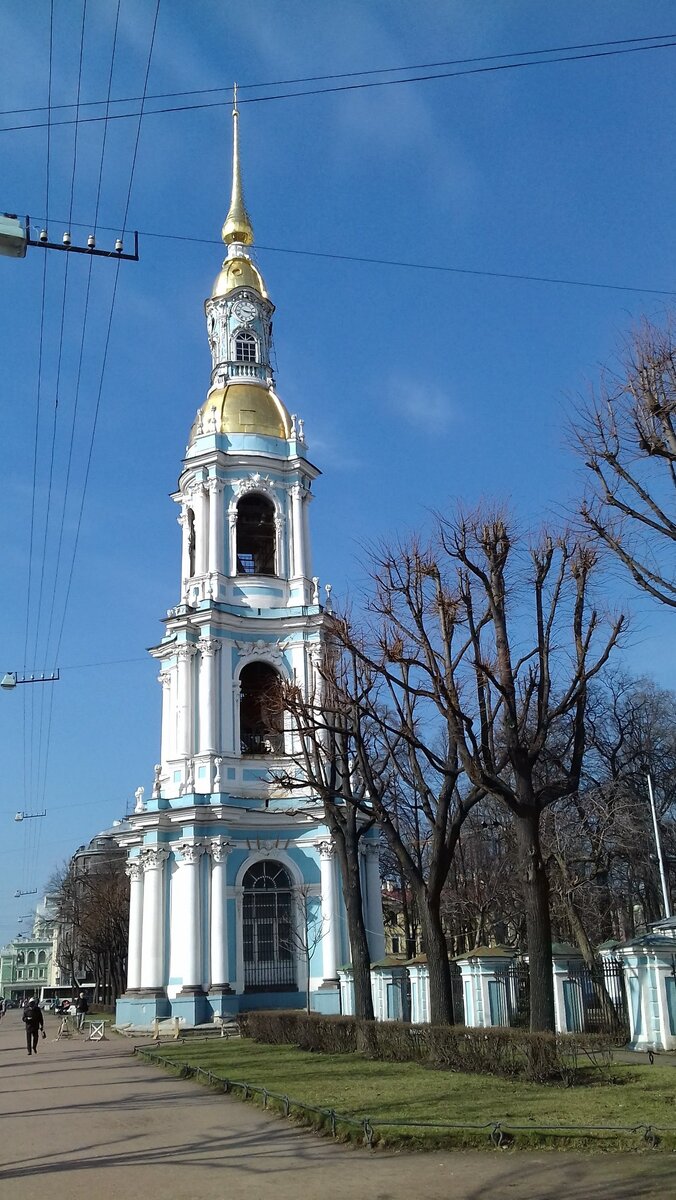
(154, 857)
(327, 850)
(255, 483)
(157, 782)
(164, 677)
(138, 796)
(134, 870)
(370, 850)
(270, 651)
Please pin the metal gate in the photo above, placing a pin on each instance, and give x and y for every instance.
(595, 999)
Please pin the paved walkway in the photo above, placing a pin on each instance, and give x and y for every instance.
(83, 1120)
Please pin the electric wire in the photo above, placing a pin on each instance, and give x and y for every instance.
(78, 381)
(39, 749)
(105, 349)
(450, 62)
(352, 87)
(28, 702)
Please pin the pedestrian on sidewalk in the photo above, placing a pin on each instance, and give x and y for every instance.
(33, 1020)
(81, 1008)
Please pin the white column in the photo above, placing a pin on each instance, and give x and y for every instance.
(215, 489)
(280, 546)
(168, 748)
(219, 849)
(185, 551)
(374, 900)
(297, 526)
(152, 934)
(201, 503)
(232, 542)
(208, 696)
(189, 868)
(184, 732)
(330, 926)
(135, 872)
(307, 545)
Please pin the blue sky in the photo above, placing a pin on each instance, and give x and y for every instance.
(417, 387)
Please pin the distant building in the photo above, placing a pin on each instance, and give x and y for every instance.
(28, 965)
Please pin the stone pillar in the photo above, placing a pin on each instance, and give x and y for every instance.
(374, 900)
(297, 527)
(330, 925)
(184, 732)
(153, 859)
(189, 868)
(208, 695)
(168, 749)
(134, 870)
(219, 850)
(280, 546)
(215, 489)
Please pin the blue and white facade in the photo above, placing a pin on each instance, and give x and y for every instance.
(227, 866)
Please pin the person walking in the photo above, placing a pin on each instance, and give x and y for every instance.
(81, 1008)
(33, 1020)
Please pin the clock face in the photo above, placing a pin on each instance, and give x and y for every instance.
(245, 311)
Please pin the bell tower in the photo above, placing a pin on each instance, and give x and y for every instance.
(221, 855)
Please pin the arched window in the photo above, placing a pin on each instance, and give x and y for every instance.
(267, 929)
(255, 535)
(245, 348)
(31, 957)
(42, 957)
(261, 718)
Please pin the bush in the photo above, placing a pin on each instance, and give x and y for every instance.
(539, 1057)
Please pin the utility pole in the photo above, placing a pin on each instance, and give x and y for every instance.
(660, 857)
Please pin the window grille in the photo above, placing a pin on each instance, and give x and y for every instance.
(267, 929)
(245, 348)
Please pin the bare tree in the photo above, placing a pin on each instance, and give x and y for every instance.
(626, 436)
(518, 698)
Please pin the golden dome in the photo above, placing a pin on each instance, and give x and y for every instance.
(243, 408)
(236, 273)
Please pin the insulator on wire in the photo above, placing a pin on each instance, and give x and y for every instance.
(66, 239)
(119, 246)
(91, 241)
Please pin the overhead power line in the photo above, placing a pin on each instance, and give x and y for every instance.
(403, 264)
(449, 62)
(351, 87)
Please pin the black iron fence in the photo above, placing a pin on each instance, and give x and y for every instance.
(595, 998)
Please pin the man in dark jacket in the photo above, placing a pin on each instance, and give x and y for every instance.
(32, 1018)
(81, 1008)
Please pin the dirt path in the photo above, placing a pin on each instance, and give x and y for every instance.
(83, 1120)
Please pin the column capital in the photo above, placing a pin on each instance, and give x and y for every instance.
(327, 850)
(164, 678)
(134, 870)
(154, 857)
(209, 646)
(190, 851)
(219, 849)
(215, 486)
(185, 651)
(370, 850)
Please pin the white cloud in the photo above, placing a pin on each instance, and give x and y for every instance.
(426, 405)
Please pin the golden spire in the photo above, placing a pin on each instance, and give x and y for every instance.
(237, 227)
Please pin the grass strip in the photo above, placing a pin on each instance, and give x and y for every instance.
(406, 1105)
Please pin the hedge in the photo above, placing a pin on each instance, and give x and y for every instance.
(516, 1053)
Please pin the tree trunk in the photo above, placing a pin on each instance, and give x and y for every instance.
(441, 992)
(346, 840)
(538, 925)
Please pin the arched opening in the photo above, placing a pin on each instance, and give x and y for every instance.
(255, 535)
(31, 957)
(42, 957)
(245, 348)
(261, 717)
(267, 929)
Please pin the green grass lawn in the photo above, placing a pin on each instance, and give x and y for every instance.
(403, 1092)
